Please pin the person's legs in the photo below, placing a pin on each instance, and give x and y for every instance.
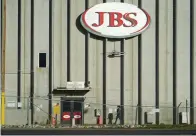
(110, 122)
(116, 120)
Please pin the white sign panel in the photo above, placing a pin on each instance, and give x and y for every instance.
(79, 85)
(155, 110)
(115, 20)
(110, 110)
(11, 104)
(70, 84)
(20, 104)
(185, 117)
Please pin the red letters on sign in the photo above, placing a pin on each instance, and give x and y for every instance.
(116, 17)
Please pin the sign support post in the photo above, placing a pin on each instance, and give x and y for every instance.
(3, 64)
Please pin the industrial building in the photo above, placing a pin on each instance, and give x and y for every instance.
(46, 47)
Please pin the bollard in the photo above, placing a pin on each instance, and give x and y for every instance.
(99, 120)
(73, 122)
(53, 121)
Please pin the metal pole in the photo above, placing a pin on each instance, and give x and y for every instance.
(28, 104)
(122, 83)
(136, 114)
(187, 111)
(0, 42)
(50, 63)
(192, 61)
(139, 74)
(32, 63)
(3, 64)
(174, 61)
(178, 112)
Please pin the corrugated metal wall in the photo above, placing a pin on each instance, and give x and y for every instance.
(67, 35)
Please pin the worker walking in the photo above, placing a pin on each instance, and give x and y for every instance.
(118, 114)
(110, 117)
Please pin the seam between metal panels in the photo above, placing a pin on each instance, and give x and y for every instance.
(122, 80)
(86, 49)
(50, 63)
(157, 60)
(140, 73)
(104, 77)
(32, 63)
(174, 63)
(19, 55)
(68, 39)
(192, 117)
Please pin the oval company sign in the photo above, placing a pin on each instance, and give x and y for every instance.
(77, 116)
(115, 20)
(66, 116)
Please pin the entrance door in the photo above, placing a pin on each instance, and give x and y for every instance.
(77, 112)
(72, 108)
(66, 112)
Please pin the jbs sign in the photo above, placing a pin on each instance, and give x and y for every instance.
(116, 17)
(115, 20)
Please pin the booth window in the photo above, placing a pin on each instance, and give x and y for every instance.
(42, 60)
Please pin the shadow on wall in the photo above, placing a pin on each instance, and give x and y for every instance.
(83, 31)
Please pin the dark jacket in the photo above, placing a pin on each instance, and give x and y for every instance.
(118, 112)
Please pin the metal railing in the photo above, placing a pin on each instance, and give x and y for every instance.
(19, 113)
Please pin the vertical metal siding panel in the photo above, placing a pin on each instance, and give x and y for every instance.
(165, 24)
(77, 46)
(90, 54)
(130, 77)
(57, 44)
(90, 94)
(95, 72)
(169, 61)
(11, 59)
(11, 48)
(135, 69)
(113, 80)
(41, 43)
(25, 56)
(183, 53)
(148, 59)
(64, 39)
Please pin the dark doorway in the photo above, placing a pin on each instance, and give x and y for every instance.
(72, 107)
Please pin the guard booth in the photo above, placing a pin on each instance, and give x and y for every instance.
(72, 102)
